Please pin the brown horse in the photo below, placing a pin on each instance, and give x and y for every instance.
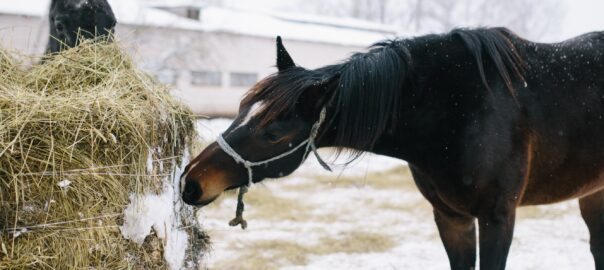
(486, 120)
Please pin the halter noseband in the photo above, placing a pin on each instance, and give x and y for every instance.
(310, 146)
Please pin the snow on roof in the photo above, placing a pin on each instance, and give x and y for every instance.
(259, 24)
(133, 13)
(172, 3)
(340, 22)
(126, 12)
(220, 19)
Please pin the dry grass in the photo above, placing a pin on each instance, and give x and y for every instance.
(397, 178)
(263, 203)
(355, 242)
(87, 116)
(275, 207)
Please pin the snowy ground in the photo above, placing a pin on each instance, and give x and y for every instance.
(369, 216)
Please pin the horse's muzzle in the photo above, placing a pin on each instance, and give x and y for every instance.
(191, 193)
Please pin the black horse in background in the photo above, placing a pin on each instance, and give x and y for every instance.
(73, 20)
(487, 121)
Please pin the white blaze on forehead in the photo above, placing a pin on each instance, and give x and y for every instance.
(256, 108)
(184, 176)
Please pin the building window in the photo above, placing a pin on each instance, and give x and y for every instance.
(206, 78)
(167, 77)
(193, 13)
(239, 79)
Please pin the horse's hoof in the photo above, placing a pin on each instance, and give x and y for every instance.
(238, 221)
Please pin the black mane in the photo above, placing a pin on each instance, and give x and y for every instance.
(495, 42)
(365, 91)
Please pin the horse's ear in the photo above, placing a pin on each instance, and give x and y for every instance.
(284, 61)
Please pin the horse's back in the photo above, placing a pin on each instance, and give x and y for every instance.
(564, 104)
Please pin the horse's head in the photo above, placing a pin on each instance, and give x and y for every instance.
(276, 126)
(72, 20)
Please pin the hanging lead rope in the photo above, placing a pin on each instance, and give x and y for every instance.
(238, 220)
(310, 147)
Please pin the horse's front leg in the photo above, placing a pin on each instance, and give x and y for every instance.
(496, 228)
(458, 234)
(592, 211)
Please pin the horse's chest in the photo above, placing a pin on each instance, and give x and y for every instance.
(445, 194)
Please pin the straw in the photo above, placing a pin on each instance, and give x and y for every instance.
(76, 133)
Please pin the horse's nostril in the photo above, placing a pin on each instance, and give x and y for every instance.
(189, 189)
(191, 193)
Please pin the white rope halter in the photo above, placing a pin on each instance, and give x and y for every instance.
(310, 146)
(309, 143)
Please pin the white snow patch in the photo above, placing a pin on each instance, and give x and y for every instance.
(113, 138)
(150, 162)
(156, 212)
(175, 248)
(146, 212)
(20, 232)
(64, 184)
(160, 213)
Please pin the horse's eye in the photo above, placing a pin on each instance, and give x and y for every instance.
(59, 26)
(270, 137)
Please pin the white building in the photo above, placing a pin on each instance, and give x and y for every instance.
(212, 55)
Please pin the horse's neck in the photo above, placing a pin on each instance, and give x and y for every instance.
(432, 104)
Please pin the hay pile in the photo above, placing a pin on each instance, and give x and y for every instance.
(78, 135)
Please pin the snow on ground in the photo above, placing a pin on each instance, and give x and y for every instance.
(369, 216)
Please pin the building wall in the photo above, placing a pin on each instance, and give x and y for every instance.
(23, 33)
(182, 57)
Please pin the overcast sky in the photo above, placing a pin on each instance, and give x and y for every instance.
(583, 16)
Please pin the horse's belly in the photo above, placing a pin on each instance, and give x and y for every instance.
(556, 188)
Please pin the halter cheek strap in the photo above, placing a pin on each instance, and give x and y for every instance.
(308, 143)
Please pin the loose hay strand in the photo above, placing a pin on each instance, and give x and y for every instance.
(89, 116)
